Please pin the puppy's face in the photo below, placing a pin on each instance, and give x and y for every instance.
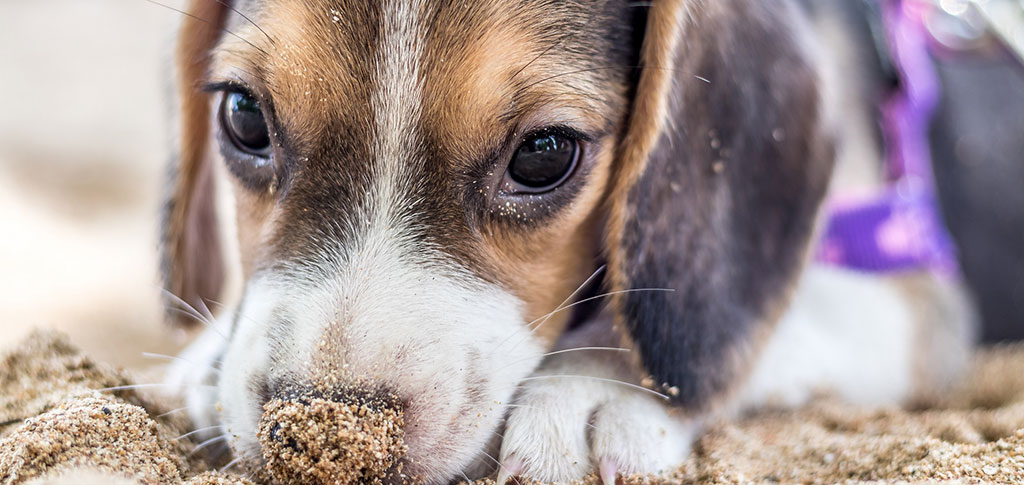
(417, 184)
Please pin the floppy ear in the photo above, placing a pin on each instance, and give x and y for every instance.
(715, 191)
(192, 263)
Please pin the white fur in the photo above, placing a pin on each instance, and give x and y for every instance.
(564, 425)
(845, 333)
(572, 418)
(193, 376)
(408, 326)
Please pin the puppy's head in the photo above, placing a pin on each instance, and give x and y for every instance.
(418, 183)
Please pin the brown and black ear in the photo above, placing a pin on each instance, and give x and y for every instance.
(715, 192)
(192, 263)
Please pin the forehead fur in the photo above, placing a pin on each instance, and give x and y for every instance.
(480, 65)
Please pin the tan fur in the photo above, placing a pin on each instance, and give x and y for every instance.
(195, 270)
(544, 267)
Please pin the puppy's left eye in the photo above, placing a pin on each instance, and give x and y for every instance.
(242, 119)
(543, 161)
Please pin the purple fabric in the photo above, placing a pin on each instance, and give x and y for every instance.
(900, 228)
(892, 232)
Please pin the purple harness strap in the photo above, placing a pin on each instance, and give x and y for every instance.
(900, 228)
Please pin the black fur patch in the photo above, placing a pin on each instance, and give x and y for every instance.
(725, 209)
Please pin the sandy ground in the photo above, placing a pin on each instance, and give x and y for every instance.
(53, 422)
(82, 121)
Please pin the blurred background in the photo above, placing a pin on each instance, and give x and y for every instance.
(83, 119)
(82, 149)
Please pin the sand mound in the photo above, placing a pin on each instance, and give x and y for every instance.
(55, 429)
(319, 441)
(44, 369)
(97, 432)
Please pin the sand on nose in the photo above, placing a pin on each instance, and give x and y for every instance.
(321, 441)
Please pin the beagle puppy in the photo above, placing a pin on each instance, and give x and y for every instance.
(423, 197)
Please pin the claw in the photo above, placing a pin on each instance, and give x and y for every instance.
(509, 468)
(608, 471)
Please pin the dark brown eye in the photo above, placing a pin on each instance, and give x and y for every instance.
(243, 122)
(543, 161)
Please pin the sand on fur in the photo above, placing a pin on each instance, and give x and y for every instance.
(319, 441)
(55, 428)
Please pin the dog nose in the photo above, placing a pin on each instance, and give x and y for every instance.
(348, 436)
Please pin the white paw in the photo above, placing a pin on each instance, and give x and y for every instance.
(562, 428)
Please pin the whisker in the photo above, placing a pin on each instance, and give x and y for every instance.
(565, 351)
(212, 301)
(152, 355)
(188, 313)
(185, 305)
(206, 312)
(247, 19)
(197, 431)
(544, 318)
(602, 68)
(488, 455)
(220, 453)
(468, 481)
(192, 311)
(231, 463)
(173, 411)
(602, 379)
(578, 71)
(135, 386)
(206, 443)
(595, 297)
(207, 22)
(577, 349)
(545, 51)
(567, 299)
(131, 386)
(580, 288)
(522, 406)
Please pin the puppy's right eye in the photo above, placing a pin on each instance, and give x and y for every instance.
(245, 140)
(243, 121)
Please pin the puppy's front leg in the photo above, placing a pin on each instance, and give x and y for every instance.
(583, 411)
